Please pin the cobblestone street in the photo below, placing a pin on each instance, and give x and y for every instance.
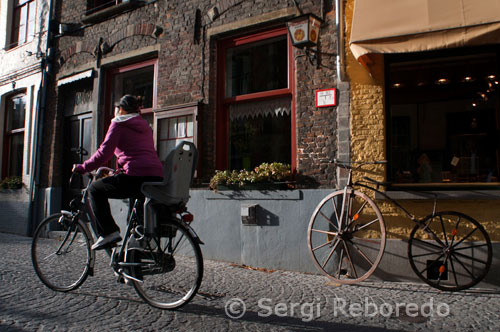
(256, 301)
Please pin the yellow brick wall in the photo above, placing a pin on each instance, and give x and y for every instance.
(368, 143)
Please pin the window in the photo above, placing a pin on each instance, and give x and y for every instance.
(138, 80)
(23, 22)
(444, 118)
(14, 136)
(254, 110)
(174, 126)
(97, 5)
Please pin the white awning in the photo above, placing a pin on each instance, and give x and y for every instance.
(76, 77)
(402, 26)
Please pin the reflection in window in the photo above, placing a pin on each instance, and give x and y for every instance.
(257, 67)
(23, 22)
(138, 82)
(444, 120)
(14, 135)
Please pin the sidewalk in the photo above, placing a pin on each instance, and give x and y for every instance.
(235, 298)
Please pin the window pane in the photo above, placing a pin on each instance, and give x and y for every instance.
(16, 113)
(31, 20)
(444, 114)
(257, 67)
(138, 83)
(22, 24)
(16, 155)
(258, 139)
(172, 128)
(164, 148)
(190, 128)
(181, 132)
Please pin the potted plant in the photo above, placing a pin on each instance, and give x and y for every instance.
(12, 182)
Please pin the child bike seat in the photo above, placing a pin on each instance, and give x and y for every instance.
(178, 172)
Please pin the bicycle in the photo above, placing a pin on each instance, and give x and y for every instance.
(346, 237)
(160, 255)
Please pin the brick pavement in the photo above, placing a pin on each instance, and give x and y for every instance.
(274, 301)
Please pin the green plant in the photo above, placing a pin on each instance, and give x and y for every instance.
(12, 182)
(264, 173)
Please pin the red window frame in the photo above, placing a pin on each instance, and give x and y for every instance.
(28, 24)
(8, 134)
(223, 102)
(109, 106)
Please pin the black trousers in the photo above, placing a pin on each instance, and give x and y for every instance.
(117, 186)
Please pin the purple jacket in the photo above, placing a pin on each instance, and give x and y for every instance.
(130, 139)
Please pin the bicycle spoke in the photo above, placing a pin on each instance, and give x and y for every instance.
(321, 246)
(336, 214)
(368, 224)
(361, 253)
(331, 253)
(464, 267)
(474, 246)
(324, 232)
(341, 259)
(331, 223)
(426, 254)
(462, 240)
(429, 265)
(428, 243)
(350, 260)
(444, 230)
(475, 259)
(454, 272)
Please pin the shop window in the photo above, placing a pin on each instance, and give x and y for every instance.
(23, 22)
(14, 136)
(138, 80)
(255, 101)
(444, 119)
(174, 126)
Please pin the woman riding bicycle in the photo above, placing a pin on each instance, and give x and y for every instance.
(130, 139)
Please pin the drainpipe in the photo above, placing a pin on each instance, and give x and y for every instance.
(339, 17)
(38, 130)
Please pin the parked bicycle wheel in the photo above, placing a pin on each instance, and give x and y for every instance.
(172, 271)
(346, 236)
(61, 252)
(452, 252)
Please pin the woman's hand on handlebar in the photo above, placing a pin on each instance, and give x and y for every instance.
(77, 168)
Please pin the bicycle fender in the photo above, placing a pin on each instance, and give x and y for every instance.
(193, 233)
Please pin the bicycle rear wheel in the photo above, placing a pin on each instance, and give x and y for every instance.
(61, 253)
(450, 251)
(346, 236)
(171, 270)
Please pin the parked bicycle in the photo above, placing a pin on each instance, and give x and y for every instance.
(448, 250)
(160, 255)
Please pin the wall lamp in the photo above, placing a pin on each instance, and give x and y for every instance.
(304, 33)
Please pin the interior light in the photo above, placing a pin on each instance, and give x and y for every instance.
(442, 81)
(468, 79)
(397, 85)
(491, 77)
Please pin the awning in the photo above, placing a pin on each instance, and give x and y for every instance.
(402, 26)
(76, 77)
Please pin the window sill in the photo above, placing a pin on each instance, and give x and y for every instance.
(475, 194)
(106, 13)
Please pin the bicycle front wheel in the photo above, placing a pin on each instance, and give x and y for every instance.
(170, 268)
(61, 253)
(450, 251)
(346, 236)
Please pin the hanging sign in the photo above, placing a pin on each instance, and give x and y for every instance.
(326, 97)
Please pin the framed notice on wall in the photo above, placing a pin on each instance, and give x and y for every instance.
(326, 97)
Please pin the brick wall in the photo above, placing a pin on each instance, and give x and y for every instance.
(187, 67)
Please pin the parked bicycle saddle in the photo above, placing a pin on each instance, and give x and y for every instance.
(178, 172)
